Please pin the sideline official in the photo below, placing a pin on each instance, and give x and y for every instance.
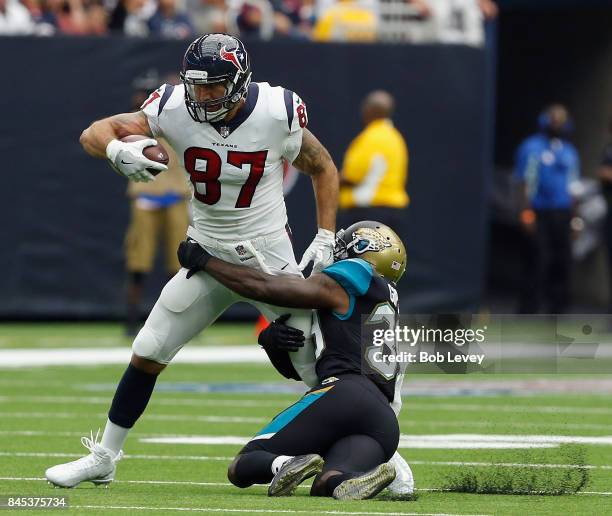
(546, 164)
(375, 168)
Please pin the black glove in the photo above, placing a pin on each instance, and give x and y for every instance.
(192, 256)
(280, 337)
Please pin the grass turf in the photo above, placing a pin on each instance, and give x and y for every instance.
(45, 410)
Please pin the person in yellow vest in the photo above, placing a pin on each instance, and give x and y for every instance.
(375, 169)
(159, 212)
(345, 20)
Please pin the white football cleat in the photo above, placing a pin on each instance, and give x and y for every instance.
(97, 467)
(403, 485)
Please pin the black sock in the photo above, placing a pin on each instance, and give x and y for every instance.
(335, 480)
(131, 397)
(253, 468)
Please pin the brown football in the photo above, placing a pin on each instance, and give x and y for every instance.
(153, 152)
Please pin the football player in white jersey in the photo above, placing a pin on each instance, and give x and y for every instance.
(232, 136)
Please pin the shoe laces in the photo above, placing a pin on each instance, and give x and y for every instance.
(98, 453)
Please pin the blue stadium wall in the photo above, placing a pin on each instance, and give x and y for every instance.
(64, 214)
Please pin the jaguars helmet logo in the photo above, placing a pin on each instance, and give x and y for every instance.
(375, 243)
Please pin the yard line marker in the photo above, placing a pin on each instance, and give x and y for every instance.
(437, 489)
(408, 405)
(227, 484)
(487, 424)
(41, 433)
(152, 417)
(128, 456)
(262, 511)
(221, 458)
(13, 358)
(428, 441)
(105, 400)
(506, 464)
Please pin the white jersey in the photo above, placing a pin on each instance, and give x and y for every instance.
(235, 167)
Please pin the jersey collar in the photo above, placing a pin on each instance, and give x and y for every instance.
(226, 128)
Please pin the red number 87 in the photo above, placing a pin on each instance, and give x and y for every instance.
(302, 116)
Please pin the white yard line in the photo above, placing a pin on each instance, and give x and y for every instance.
(434, 407)
(505, 464)
(261, 511)
(42, 433)
(152, 417)
(409, 404)
(593, 493)
(105, 400)
(428, 441)
(227, 484)
(11, 358)
(220, 458)
(128, 456)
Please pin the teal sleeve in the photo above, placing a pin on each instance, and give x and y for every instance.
(354, 275)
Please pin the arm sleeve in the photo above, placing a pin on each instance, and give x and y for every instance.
(297, 120)
(354, 275)
(154, 105)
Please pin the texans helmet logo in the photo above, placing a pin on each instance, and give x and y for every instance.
(232, 57)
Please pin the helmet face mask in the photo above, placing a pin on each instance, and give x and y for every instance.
(214, 59)
(210, 110)
(375, 243)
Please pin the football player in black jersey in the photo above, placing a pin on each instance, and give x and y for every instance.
(343, 430)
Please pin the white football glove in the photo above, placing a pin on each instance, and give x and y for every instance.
(320, 251)
(128, 160)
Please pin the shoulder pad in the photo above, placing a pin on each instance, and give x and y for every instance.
(354, 275)
(167, 96)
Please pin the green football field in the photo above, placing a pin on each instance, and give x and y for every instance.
(466, 433)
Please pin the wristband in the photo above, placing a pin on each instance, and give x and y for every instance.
(528, 216)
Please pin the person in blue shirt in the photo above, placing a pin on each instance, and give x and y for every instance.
(546, 164)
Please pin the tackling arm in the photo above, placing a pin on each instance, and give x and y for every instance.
(317, 291)
(97, 136)
(315, 161)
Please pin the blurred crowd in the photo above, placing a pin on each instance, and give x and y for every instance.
(453, 21)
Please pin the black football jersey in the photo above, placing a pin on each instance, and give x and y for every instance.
(344, 342)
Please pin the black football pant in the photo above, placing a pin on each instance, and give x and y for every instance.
(547, 260)
(348, 422)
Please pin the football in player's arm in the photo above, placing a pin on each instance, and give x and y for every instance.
(102, 140)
